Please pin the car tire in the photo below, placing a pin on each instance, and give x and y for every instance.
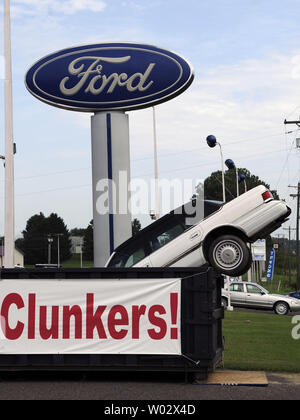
(281, 308)
(230, 255)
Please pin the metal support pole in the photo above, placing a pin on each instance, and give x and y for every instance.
(50, 240)
(297, 237)
(289, 252)
(9, 234)
(297, 231)
(237, 182)
(223, 173)
(111, 183)
(58, 249)
(157, 200)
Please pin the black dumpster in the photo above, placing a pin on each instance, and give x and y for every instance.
(199, 329)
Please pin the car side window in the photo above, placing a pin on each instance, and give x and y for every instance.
(135, 257)
(165, 237)
(253, 289)
(237, 288)
(128, 257)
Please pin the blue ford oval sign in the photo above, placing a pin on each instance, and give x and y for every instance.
(114, 76)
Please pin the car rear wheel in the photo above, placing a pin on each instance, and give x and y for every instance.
(281, 308)
(230, 255)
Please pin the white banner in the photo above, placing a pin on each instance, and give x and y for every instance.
(135, 316)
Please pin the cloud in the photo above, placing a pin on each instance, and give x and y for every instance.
(67, 7)
(244, 105)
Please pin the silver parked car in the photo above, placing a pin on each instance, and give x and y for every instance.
(252, 295)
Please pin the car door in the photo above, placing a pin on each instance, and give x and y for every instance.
(170, 245)
(237, 294)
(255, 297)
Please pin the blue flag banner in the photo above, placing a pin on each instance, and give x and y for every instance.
(271, 265)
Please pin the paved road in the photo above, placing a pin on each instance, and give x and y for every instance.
(167, 388)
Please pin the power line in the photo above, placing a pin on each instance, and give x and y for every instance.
(205, 147)
(285, 163)
(149, 174)
(149, 157)
(140, 175)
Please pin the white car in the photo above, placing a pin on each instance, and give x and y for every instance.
(220, 238)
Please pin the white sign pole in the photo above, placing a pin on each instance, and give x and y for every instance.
(157, 200)
(111, 177)
(9, 145)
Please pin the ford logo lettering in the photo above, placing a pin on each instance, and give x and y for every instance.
(106, 77)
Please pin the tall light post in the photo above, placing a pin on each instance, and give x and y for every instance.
(212, 142)
(50, 240)
(9, 234)
(242, 179)
(58, 248)
(231, 165)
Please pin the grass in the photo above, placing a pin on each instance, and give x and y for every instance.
(255, 341)
(280, 284)
(75, 262)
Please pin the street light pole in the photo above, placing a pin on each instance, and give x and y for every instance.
(231, 165)
(237, 182)
(223, 173)
(50, 240)
(212, 142)
(58, 248)
(9, 234)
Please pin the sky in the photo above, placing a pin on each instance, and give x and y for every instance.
(246, 57)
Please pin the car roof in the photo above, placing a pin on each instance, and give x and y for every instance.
(245, 282)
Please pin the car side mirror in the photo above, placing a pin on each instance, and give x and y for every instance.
(262, 293)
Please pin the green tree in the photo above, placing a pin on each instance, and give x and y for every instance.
(88, 242)
(35, 240)
(34, 243)
(213, 184)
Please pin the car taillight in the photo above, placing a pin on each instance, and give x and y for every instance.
(267, 196)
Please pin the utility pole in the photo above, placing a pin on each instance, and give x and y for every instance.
(9, 240)
(297, 230)
(289, 252)
(298, 213)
